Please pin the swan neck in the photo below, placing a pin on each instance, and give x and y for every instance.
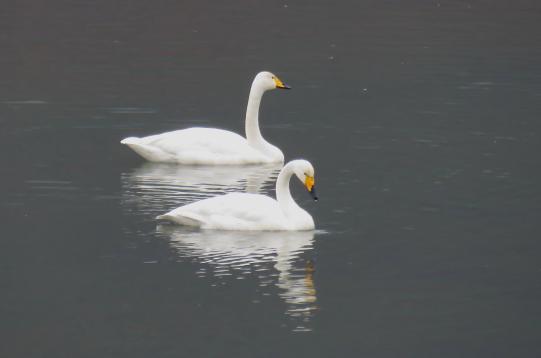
(283, 195)
(253, 134)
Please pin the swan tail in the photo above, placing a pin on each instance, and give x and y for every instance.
(130, 140)
(182, 219)
(148, 152)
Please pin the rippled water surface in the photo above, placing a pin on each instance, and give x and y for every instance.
(420, 117)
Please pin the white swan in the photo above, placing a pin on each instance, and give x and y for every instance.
(243, 211)
(212, 146)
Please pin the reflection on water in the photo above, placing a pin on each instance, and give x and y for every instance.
(154, 188)
(271, 258)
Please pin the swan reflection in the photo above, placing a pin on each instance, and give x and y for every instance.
(154, 188)
(273, 258)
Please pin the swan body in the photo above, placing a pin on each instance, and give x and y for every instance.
(212, 146)
(199, 146)
(251, 212)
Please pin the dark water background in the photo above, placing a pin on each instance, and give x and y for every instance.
(422, 119)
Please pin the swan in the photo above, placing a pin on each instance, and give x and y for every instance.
(244, 211)
(212, 146)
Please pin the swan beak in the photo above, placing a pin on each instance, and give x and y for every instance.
(280, 84)
(313, 193)
(309, 184)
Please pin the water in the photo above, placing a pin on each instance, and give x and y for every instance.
(421, 119)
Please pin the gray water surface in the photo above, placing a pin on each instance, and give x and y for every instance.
(421, 119)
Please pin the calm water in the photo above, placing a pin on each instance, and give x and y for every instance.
(421, 119)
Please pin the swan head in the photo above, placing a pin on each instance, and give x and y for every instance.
(268, 81)
(304, 171)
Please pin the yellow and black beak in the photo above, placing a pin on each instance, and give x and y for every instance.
(280, 84)
(309, 183)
